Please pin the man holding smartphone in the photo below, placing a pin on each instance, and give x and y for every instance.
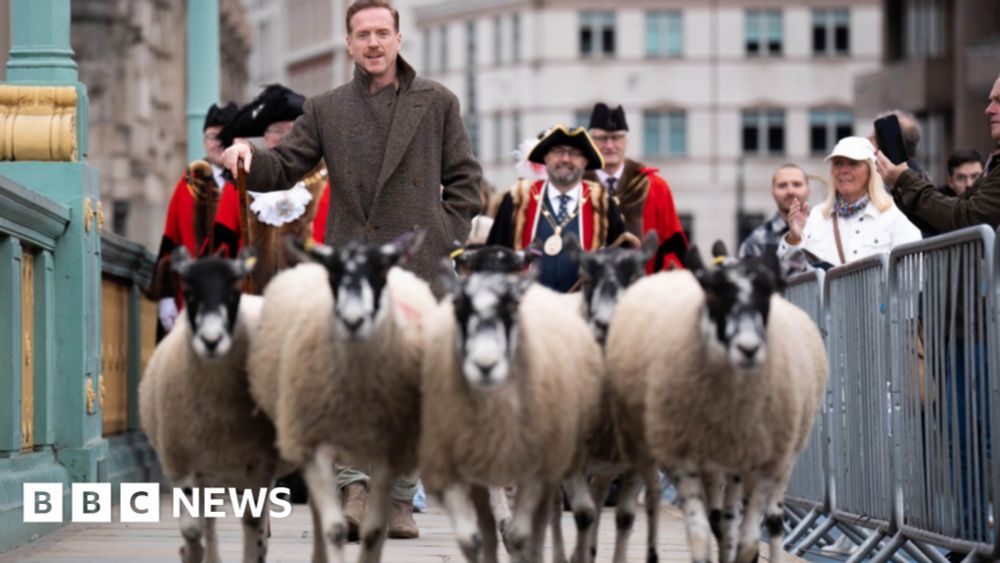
(927, 207)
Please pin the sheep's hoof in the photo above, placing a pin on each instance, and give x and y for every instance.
(192, 553)
(372, 538)
(472, 547)
(651, 556)
(715, 521)
(337, 535)
(584, 519)
(504, 529)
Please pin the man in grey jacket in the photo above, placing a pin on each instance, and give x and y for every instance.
(398, 159)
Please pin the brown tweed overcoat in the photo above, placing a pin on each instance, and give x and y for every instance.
(428, 177)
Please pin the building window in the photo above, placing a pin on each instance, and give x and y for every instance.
(763, 33)
(515, 34)
(665, 133)
(515, 125)
(597, 34)
(763, 132)
(472, 129)
(827, 126)
(427, 50)
(687, 223)
(497, 42)
(664, 34)
(443, 53)
(581, 118)
(831, 32)
(498, 152)
(119, 217)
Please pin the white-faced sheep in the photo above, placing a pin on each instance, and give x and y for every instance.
(730, 376)
(347, 389)
(195, 405)
(513, 375)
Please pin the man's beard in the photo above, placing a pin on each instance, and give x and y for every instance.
(569, 178)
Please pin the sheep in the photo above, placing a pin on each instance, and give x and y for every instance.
(514, 377)
(705, 387)
(605, 275)
(194, 403)
(347, 385)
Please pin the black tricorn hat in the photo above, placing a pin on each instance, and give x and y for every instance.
(603, 117)
(275, 103)
(220, 115)
(560, 136)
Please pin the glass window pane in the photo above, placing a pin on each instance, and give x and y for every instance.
(841, 40)
(651, 133)
(653, 34)
(675, 35)
(608, 41)
(817, 139)
(776, 139)
(678, 133)
(586, 41)
(819, 40)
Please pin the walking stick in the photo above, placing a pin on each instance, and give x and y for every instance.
(241, 186)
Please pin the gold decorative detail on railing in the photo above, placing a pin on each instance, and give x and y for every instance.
(115, 296)
(27, 351)
(101, 391)
(88, 214)
(100, 217)
(38, 123)
(88, 394)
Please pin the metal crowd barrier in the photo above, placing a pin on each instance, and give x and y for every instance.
(808, 495)
(904, 447)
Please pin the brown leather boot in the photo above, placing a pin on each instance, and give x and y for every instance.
(402, 526)
(354, 498)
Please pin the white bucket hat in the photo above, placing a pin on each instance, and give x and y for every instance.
(854, 148)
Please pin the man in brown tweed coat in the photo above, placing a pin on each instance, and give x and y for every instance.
(398, 159)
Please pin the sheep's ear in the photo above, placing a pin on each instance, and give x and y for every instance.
(524, 281)
(449, 280)
(774, 266)
(649, 245)
(692, 261)
(306, 250)
(180, 260)
(719, 250)
(404, 247)
(245, 262)
(572, 248)
(463, 258)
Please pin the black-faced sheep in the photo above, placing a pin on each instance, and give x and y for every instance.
(730, 376)
(195, 404)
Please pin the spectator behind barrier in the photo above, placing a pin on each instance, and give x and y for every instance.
(789, 184)
(858, 218)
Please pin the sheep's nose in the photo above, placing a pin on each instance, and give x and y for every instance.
(211, 343)
(486, 370)
(747, 351)
(353, 325)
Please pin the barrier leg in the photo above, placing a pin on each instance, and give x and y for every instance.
(930, 552)
(813, 537)
(865, 548)
(804, 524)
(915, 553)
(887, 552)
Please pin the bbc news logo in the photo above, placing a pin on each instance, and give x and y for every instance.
(140, 502)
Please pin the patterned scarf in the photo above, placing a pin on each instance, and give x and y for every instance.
(848, 210)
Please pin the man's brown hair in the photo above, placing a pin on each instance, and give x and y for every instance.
(359, 5)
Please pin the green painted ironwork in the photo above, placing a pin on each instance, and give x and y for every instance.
(203, 64)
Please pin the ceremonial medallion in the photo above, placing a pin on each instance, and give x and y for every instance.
(553, 245)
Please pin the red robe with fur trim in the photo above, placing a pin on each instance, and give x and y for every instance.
(518, 213)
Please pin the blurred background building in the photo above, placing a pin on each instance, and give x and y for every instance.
(718, 92)
(131, 56)
(941, 59)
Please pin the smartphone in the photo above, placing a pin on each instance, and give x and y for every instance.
(890, 138)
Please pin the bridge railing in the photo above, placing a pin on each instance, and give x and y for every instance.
(912, 344)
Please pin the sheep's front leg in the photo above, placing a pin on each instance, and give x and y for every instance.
(600, 486)
(749, 546)
(458, 504)
(255, 534)
(486, 508)
(730, 519)
(774, 519)
(692, 494)
(501, 512)
(321, 478)
(715, 486)
(211, 541)
(319, 548)
(549, 514)
(628, 500)
(529, 494)
(652, 479)
(584, 514)
(191, 530)
(373, 528)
